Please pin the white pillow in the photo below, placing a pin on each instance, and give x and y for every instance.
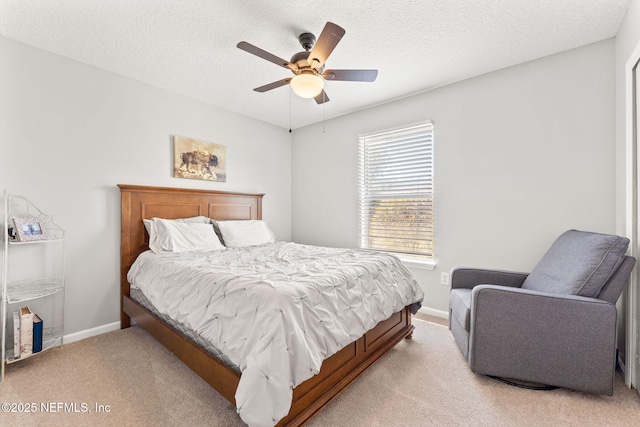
(175, 236)
(153, 236)
(245, 233)
(149, 225)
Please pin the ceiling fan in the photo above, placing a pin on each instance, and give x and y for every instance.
(308, 66)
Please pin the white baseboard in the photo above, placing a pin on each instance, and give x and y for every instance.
(87, 333)
(433, 312)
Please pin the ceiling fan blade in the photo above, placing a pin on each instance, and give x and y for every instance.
(321, 98)
(247, 47)
(351, 75)
(273, 85)
(329, 38)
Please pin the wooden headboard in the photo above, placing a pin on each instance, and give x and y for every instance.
(141, 202)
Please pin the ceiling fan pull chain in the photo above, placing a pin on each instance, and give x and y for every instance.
(324, 110)
(289, 110)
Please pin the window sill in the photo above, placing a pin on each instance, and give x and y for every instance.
(422, 264)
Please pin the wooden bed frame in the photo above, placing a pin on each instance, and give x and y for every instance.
(337, 372)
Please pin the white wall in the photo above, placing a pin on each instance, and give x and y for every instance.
(70, 133)
(521, 155)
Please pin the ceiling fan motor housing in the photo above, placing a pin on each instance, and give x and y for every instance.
(300, 59)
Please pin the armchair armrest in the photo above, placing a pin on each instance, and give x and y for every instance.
(465, 277)
(556, 339)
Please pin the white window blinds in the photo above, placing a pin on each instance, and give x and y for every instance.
(396, 190)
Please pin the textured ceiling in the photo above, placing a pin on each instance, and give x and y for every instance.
(189, 46)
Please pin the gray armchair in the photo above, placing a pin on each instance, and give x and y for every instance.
(554, 326)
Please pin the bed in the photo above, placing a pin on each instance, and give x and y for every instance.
(310, 396)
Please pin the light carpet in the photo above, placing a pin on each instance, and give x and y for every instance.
(421, 382)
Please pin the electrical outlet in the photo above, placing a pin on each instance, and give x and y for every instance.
(444, 279)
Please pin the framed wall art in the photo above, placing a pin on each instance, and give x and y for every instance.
(195, 159)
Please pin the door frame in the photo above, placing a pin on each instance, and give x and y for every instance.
(632, 350)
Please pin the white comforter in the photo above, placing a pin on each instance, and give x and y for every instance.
(276, 310)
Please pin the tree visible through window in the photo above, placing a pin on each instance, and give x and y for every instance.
(396, 190)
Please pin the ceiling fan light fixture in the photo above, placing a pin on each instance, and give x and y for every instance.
(307, 85)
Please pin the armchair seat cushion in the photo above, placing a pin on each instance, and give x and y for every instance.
(578, 263)
(460, 304)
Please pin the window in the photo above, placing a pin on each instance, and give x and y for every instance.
(396, 190)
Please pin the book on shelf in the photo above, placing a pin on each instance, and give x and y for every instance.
(37, 333)
(16, 334)
(26, 332)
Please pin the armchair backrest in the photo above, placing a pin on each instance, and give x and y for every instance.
(579, 263)
(613, 288)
